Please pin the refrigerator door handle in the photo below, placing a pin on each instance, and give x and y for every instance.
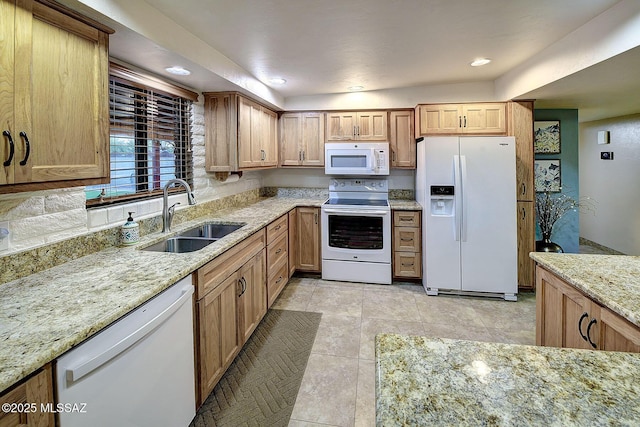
(463, 182)
(457, 181)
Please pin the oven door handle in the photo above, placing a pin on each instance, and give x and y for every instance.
(362, 213)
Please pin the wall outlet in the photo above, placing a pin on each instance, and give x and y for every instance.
(4, 235)
(606, 155)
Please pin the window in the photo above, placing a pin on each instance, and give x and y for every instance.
(150, 141)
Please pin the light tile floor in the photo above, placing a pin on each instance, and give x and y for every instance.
(338, 387)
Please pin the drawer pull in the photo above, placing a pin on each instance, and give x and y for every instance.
(278, 227)
(406, 240)
(278, 251)
(279, 280)
(406, 218)
(584, 316)
(593, 322)
(407, 265)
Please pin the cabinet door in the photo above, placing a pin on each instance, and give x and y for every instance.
(36, 390)
(250, 121)
(617, 334)
(293, 240)
(7, 32)
(218, 338)
(313, 139)
(563, 313)
(521, 127)
(252, 298)
(290, 139)
(269, 138)
(341, 126)
(526, 244)
(221, 131)
(484, 118)
(371, 126)
(62, 101)
(401, 139)
(440, 119)
(308, 239)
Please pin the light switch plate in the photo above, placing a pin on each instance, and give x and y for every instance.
(603, 137)
(4, 239)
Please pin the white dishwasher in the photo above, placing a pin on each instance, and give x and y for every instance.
(138, 372)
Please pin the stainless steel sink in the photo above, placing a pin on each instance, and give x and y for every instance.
(180, 244)
(211, 230)
(195, 238)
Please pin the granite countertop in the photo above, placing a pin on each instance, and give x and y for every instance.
(424, 381)
(611, 280)
(404, 205)
(45, 314)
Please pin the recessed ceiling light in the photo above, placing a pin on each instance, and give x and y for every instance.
(277, 81)
(355, 88)
(480, 61)
(179, 71)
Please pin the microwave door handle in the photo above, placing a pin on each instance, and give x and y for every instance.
(374, 160)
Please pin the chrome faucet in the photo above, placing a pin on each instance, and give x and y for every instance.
(168, 211)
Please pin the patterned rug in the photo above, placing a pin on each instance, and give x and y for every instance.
(261, 385)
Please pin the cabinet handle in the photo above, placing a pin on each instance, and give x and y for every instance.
(393, 156)
(407, 265)
(315, 217)
(300, 155)
(584, 316)
(459, 121)
(279, 280)
(593, 322)
(406, 218)
(11, 147)
(26, 141)
(278, 251)
(406, 240)
(303, 155)
(524, 213)
(524, 188)
(240, 285)
(243, 286)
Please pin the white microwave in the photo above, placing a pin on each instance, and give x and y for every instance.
(356, 158)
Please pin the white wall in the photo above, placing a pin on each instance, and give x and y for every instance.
(613, 185)
(315, 178)
(38, 218)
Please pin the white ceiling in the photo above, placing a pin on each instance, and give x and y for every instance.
(326, 46)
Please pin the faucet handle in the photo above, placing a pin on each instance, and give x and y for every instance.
(172, 208)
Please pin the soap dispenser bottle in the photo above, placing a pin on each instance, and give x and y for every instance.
(130, 231)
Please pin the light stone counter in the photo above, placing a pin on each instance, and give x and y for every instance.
(611, 280)
(45, 314)
(438, 382)
(404, 205)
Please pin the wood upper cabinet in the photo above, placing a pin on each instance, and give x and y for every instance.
(453, 119)
(401, 139)
(35, 390)
(565, 317)
(308, 230)
(239, 133)
(302, 139)
(357, 126)
(54, 98)
(520, 124)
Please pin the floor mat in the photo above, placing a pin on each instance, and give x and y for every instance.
(261, 385)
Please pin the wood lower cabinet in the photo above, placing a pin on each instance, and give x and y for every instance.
(230, 302)
(277, 257)
(27, 396)
(401, 139)
(565, 317)
(526, 226)
(407, 238)
(293, 240)
(455, 119)
(308, 230)
(54, 98)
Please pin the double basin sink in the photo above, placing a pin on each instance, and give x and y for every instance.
(194, 238)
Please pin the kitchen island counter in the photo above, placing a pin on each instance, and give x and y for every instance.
(613, 281)
(425, 381)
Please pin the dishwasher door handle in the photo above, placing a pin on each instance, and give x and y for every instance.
(75, 373)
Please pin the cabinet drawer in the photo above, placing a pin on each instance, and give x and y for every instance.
(276, 252)
(406, 239)
(216, 271)
(406, 218)
(276, 228)
(277, 279)
(407, 264)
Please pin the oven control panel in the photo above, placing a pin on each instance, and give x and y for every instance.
(359, 184)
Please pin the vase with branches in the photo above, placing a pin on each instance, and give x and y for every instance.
(549, 209)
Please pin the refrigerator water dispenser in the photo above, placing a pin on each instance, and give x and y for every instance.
(442, 200)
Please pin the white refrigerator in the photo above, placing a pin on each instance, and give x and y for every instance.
(467, 188)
